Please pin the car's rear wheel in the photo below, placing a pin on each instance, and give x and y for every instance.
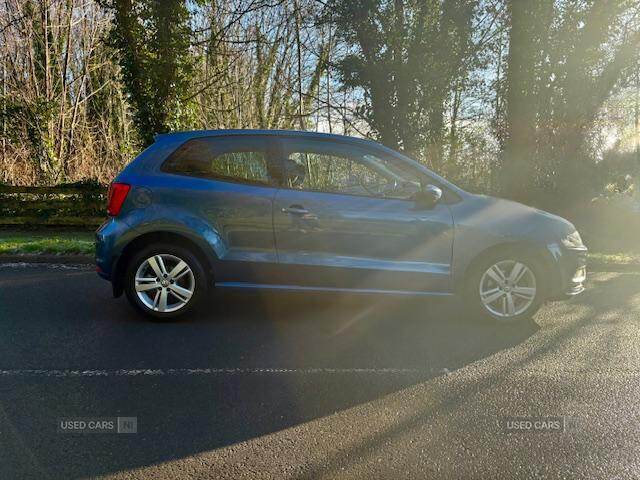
(164, 281)
(506, 287)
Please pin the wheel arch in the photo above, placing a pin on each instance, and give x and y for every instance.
(540, 253)
(204, 254)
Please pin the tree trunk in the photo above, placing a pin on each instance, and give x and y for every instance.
(435, 134)
(518, 173)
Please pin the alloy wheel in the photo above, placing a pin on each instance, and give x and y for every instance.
(164, 283)
(507, 288)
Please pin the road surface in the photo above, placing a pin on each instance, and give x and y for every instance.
(314, 386)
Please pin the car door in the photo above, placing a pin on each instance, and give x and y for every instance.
(344, 218)
(232, 188)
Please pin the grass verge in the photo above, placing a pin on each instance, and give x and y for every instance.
(614, 258)
(58, 244)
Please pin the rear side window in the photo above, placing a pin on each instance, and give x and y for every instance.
(235, 159)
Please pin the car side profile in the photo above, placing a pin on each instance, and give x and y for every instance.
(262, 209)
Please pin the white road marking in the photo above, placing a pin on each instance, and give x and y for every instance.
(209, 371)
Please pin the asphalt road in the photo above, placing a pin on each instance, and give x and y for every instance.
(301, 386)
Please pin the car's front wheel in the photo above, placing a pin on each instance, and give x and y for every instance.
(506, 288)
(164, 281)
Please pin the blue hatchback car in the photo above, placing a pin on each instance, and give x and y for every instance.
(315, 212)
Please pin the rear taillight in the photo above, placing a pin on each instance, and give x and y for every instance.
(117, 194)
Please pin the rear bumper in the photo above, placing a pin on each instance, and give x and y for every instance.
(572, 271)
(110, 238)
(104, 244)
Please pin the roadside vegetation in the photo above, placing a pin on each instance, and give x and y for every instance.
(597, 258)
(59, 243)
(537, 101)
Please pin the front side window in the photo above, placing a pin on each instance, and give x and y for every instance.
(325, 167)
(243, 160)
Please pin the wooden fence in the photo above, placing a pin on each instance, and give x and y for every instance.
(82, 205)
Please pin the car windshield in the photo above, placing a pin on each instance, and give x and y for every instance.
(400, 178)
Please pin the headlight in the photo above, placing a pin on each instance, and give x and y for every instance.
(572, 240)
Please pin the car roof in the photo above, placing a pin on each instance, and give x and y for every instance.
(186, 135)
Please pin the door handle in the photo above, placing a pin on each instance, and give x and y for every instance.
(295, 210)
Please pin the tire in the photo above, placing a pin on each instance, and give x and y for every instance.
(177, 301)
(523, 305)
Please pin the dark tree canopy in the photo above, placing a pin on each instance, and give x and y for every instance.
(406, 55)
(153, 37)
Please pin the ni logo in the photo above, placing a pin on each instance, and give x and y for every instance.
(127, 424)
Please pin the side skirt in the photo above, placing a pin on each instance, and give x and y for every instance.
(296, 288)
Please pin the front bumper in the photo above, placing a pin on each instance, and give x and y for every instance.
(572, 269)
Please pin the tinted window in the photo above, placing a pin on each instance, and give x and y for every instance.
(234, 159)
(335, 168)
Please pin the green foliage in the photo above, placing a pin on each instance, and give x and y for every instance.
(31, 119)
(56, 244)
(565, 60)
(405, 56)
(153, 38)
(490, 93)
(598, 258)
(81, 203)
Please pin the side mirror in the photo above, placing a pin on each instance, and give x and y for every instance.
(428, 196)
